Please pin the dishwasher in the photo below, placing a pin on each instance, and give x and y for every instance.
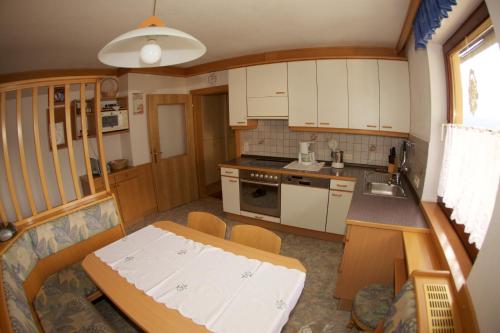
(304, 201)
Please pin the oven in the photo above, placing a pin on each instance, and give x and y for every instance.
(114, 120)
(260, 192)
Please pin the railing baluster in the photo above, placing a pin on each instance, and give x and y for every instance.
(53, 143)
(86, 156)
(98, 130)
(38, 150)
(6, 159)
(69, 137)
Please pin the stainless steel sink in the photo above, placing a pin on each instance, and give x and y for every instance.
(378, 183)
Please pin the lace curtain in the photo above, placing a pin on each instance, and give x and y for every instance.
(428, 19)
(469, 178)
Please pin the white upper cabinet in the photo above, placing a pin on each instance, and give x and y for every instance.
(333, 99)
(394, 96)
(267, 80)
(237, 81)
(302, 94)
(363, 88)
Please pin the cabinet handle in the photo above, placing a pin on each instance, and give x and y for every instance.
(258, 217)
(280, 92)
(340, 185)
(309, 123)
(232, 181)
(241, 122)
(324, 123)
(336, 195)
(371, 126)
(386, 126)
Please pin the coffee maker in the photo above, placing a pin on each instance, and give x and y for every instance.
(306, 156)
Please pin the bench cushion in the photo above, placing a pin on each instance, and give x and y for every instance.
(73, 314)
(17, 263)
(72, 279)
(56, 235)
(402, 317)
(372, 303)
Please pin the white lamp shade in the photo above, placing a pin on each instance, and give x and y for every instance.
(176, 47)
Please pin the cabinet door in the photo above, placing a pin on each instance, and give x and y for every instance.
(338, 206)
(333, 99)
(394, 96)
(267, 107)
(363, 94)
(302, 94)
(230, 195)
(304, 207)
(146, 193)
(130, 204)
(237, 80)
(267, 80)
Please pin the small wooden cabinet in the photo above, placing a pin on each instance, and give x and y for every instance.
(237, 81)
(267, 91)
(302, 94)
(338, 207)
(230, 195)
(363, 94)
(133, 189)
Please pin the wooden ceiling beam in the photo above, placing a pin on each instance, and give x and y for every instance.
(407, 25)
(41, 74)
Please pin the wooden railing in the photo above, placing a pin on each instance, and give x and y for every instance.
(20, 189)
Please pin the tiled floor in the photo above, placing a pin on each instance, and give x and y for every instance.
(316, 311)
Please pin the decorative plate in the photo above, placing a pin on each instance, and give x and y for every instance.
(109, 87)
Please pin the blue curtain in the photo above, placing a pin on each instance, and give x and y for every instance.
(428, 19)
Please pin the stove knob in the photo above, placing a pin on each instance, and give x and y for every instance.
(261, 176)
(275, 177)
(266, 176)
(251, 175)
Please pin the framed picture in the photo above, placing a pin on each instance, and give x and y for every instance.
(58, 95)
(138, 103)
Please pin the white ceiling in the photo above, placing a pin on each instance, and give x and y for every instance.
(60, 34)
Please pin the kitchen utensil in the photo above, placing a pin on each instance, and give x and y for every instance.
(333, 144)
(7, 231)
(338, 159)
(306, 156)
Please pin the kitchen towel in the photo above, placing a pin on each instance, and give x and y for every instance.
(218, 289)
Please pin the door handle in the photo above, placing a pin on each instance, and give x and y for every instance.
(155, 156)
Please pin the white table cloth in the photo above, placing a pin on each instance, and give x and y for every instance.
(222, 291)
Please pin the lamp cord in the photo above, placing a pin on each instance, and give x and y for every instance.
(154, 8)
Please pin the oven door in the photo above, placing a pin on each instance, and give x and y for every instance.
(110, 121)
(259, 197)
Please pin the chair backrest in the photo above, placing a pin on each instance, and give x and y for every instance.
(402, 316)
(207, 223)
(256, 237)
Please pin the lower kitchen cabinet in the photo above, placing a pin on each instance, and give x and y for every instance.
(133, 189)
(230, 195)
(304, 207)
(369, 256)
(338, 206)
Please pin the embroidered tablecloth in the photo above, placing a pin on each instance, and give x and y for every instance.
(220, 290)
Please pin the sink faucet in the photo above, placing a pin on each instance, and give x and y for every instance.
(405, 148)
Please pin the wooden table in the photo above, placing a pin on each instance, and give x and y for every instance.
(150, 315)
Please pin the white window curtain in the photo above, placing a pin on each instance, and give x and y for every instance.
(469, 178)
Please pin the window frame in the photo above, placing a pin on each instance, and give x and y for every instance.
(470, 29)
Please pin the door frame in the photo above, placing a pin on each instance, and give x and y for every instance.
(153, 137)
(196, 97)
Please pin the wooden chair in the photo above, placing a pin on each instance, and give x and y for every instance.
(207, 223)
(256, 237)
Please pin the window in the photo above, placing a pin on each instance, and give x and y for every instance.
(472, 57)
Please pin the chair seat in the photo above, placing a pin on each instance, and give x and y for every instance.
(72, 279)
(73, 314)
(372, 303)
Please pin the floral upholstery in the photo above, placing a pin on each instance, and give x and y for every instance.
(56, 235)
(17, 263)
(372, 303)
(70, 280)
(73, 314)
(19, 260)
(402, 317)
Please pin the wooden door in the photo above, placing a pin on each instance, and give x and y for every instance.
(171, 138)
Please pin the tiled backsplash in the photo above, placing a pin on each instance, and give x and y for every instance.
(273, 138)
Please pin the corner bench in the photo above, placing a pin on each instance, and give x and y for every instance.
(43, 287)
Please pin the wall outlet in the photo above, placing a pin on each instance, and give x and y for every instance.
(348, 157)
(416, 181)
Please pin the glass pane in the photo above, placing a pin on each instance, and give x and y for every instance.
(479, 81)
(172, 128)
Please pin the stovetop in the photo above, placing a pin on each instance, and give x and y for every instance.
(265, 162)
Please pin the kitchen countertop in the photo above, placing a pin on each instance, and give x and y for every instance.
(365, 208)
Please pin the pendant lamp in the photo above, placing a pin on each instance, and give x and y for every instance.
(151, 45)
